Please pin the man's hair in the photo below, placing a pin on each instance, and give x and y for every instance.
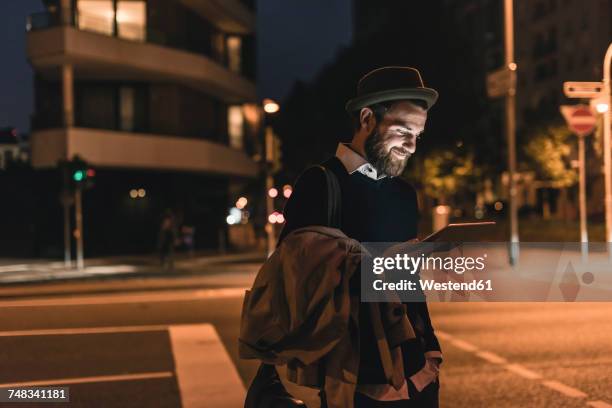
(380, 109)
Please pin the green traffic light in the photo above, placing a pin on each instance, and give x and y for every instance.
(78, 175)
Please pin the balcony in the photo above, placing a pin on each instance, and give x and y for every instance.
(107, 148)
(98, 56)
(230, 16)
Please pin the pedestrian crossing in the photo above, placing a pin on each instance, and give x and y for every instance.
(190, 360)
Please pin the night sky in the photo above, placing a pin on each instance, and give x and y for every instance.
(294, 40)
(16, 75)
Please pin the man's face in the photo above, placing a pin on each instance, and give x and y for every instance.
(393, 140)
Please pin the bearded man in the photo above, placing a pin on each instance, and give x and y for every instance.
(389, 115)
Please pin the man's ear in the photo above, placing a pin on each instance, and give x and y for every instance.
(367, 119)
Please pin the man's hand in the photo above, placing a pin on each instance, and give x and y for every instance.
(426, 375)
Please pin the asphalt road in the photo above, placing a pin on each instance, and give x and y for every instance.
(126, 349)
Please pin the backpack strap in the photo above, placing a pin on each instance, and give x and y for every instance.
(334, 198)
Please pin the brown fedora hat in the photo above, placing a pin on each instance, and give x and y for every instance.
(391, 84)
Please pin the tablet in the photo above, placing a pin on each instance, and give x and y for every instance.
(464, 232)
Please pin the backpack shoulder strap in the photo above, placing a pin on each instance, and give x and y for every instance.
(334, 198)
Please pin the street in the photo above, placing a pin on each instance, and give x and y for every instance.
(174, 347)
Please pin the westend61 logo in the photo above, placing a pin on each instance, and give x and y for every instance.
(482, 271)
(414, 264)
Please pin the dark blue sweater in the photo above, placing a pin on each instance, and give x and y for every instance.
(384, 210)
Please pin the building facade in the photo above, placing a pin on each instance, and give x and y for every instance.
(555, 41)
(157, 96)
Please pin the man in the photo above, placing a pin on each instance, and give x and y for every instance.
(389, 114)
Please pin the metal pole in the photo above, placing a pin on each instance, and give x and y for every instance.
(67, 240)
(607, 147)
(584, 237)
(78, 210)
(269, 140)
(65, 197)
(511, 127)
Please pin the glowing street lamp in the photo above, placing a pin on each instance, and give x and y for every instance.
(287, 190)
(270, 106)
(241, 203)
(273, 192)
(601, 107)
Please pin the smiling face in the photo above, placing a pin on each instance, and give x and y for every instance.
(393, 140)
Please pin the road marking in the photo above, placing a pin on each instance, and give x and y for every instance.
(523, 372)
(599, 404)
(491, 357)
(443, 335)
(564, 389)
(83, 330)
(464, 345)
(126, 298)
(206, 375)
(14, 268)
(520, 370)
(94, 379)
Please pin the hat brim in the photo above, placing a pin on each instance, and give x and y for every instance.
(430, 96)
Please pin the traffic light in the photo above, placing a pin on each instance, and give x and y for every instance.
(82, 174)
(79, 175)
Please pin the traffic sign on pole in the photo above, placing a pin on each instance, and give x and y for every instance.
(580, 119)
(574, 89)
(500, 82)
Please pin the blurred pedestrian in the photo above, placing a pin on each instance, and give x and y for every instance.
(188, 238)
(167, 240)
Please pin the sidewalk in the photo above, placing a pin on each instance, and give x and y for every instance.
(141, 272)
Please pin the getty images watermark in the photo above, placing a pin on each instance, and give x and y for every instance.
(551, 271)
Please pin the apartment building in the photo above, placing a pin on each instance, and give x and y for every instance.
(158, 96)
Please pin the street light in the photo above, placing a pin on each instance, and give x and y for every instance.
(511, 127)
(270, 106)
(272, 192)
(241, 203)
(601, 107)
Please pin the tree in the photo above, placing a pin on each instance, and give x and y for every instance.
(548, 152)
(448, 174)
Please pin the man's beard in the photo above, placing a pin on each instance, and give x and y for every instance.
(383, 161)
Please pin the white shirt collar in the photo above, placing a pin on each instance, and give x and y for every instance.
(353, 162)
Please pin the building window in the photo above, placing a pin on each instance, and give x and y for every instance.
(234, 51)
(235, 126)
(126, 108)
(131, 19)
(95, 15)
(100, 16)
(218, 46)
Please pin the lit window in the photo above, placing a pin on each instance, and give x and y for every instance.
(99, 16)
(95, 15)
(131, 19)
(234, 51)
(235, 126)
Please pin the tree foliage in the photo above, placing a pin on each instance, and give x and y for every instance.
(447, 173)
(549, 152)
